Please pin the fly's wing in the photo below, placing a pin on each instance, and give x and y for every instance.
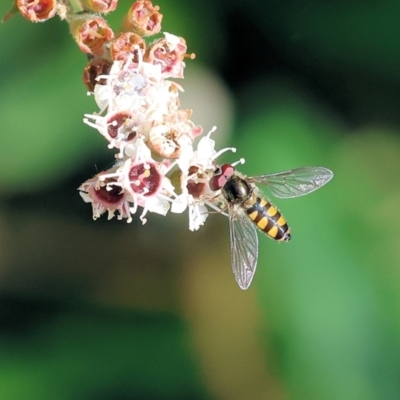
(296, 182)
(244, 246)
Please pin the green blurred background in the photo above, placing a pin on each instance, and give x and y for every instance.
(111, 311)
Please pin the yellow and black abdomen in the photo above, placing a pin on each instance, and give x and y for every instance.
(267, 218)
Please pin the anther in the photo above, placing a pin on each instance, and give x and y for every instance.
(241, 161)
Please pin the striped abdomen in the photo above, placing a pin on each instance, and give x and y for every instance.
(267, 218)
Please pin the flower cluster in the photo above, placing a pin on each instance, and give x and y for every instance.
(158, 165)
(43, 10)
(161, 161)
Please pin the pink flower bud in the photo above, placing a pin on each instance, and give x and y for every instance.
(125, 45)
(91, 34)
(100, 6)
(37, 10)
(143, 18)
(96, 67)
(169, 52)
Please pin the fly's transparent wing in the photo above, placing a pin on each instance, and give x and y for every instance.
(244, 247)
(296, 182)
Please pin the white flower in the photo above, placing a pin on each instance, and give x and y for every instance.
(140, 117)
(106, 197)
(196, 170)
(118, 128)
(169, 53)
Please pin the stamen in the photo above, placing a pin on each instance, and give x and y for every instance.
(125, 66)
(135, 205)
(93, 116)
(106, 176)
(92, 124)
(213, 129)
(192, 56)
(241, 161)
(214, 207)
(105, 77)
(168, 198)
(142, 216)
(139, 55)
(216, 155)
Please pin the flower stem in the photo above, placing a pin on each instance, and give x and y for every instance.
(76, 6)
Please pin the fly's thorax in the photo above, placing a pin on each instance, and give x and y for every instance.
(252, 199)
(237, 190)
(268, 218)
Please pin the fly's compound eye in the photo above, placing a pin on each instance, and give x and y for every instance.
(221, 176)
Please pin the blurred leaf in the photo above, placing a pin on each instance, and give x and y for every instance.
(283, 127)
(52, 350)
(41, 108)
(320, 292)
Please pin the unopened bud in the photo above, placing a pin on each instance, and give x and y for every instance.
(143, 18)
(125, 45)
(37, 10)
(91, 34)
(100, 6)
(95, 68)
(169, 52)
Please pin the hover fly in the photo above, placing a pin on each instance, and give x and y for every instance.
(248, 209)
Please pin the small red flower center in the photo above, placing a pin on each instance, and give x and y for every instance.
(145, 179)
(194, 188)
(110, 194)
(120, 123)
